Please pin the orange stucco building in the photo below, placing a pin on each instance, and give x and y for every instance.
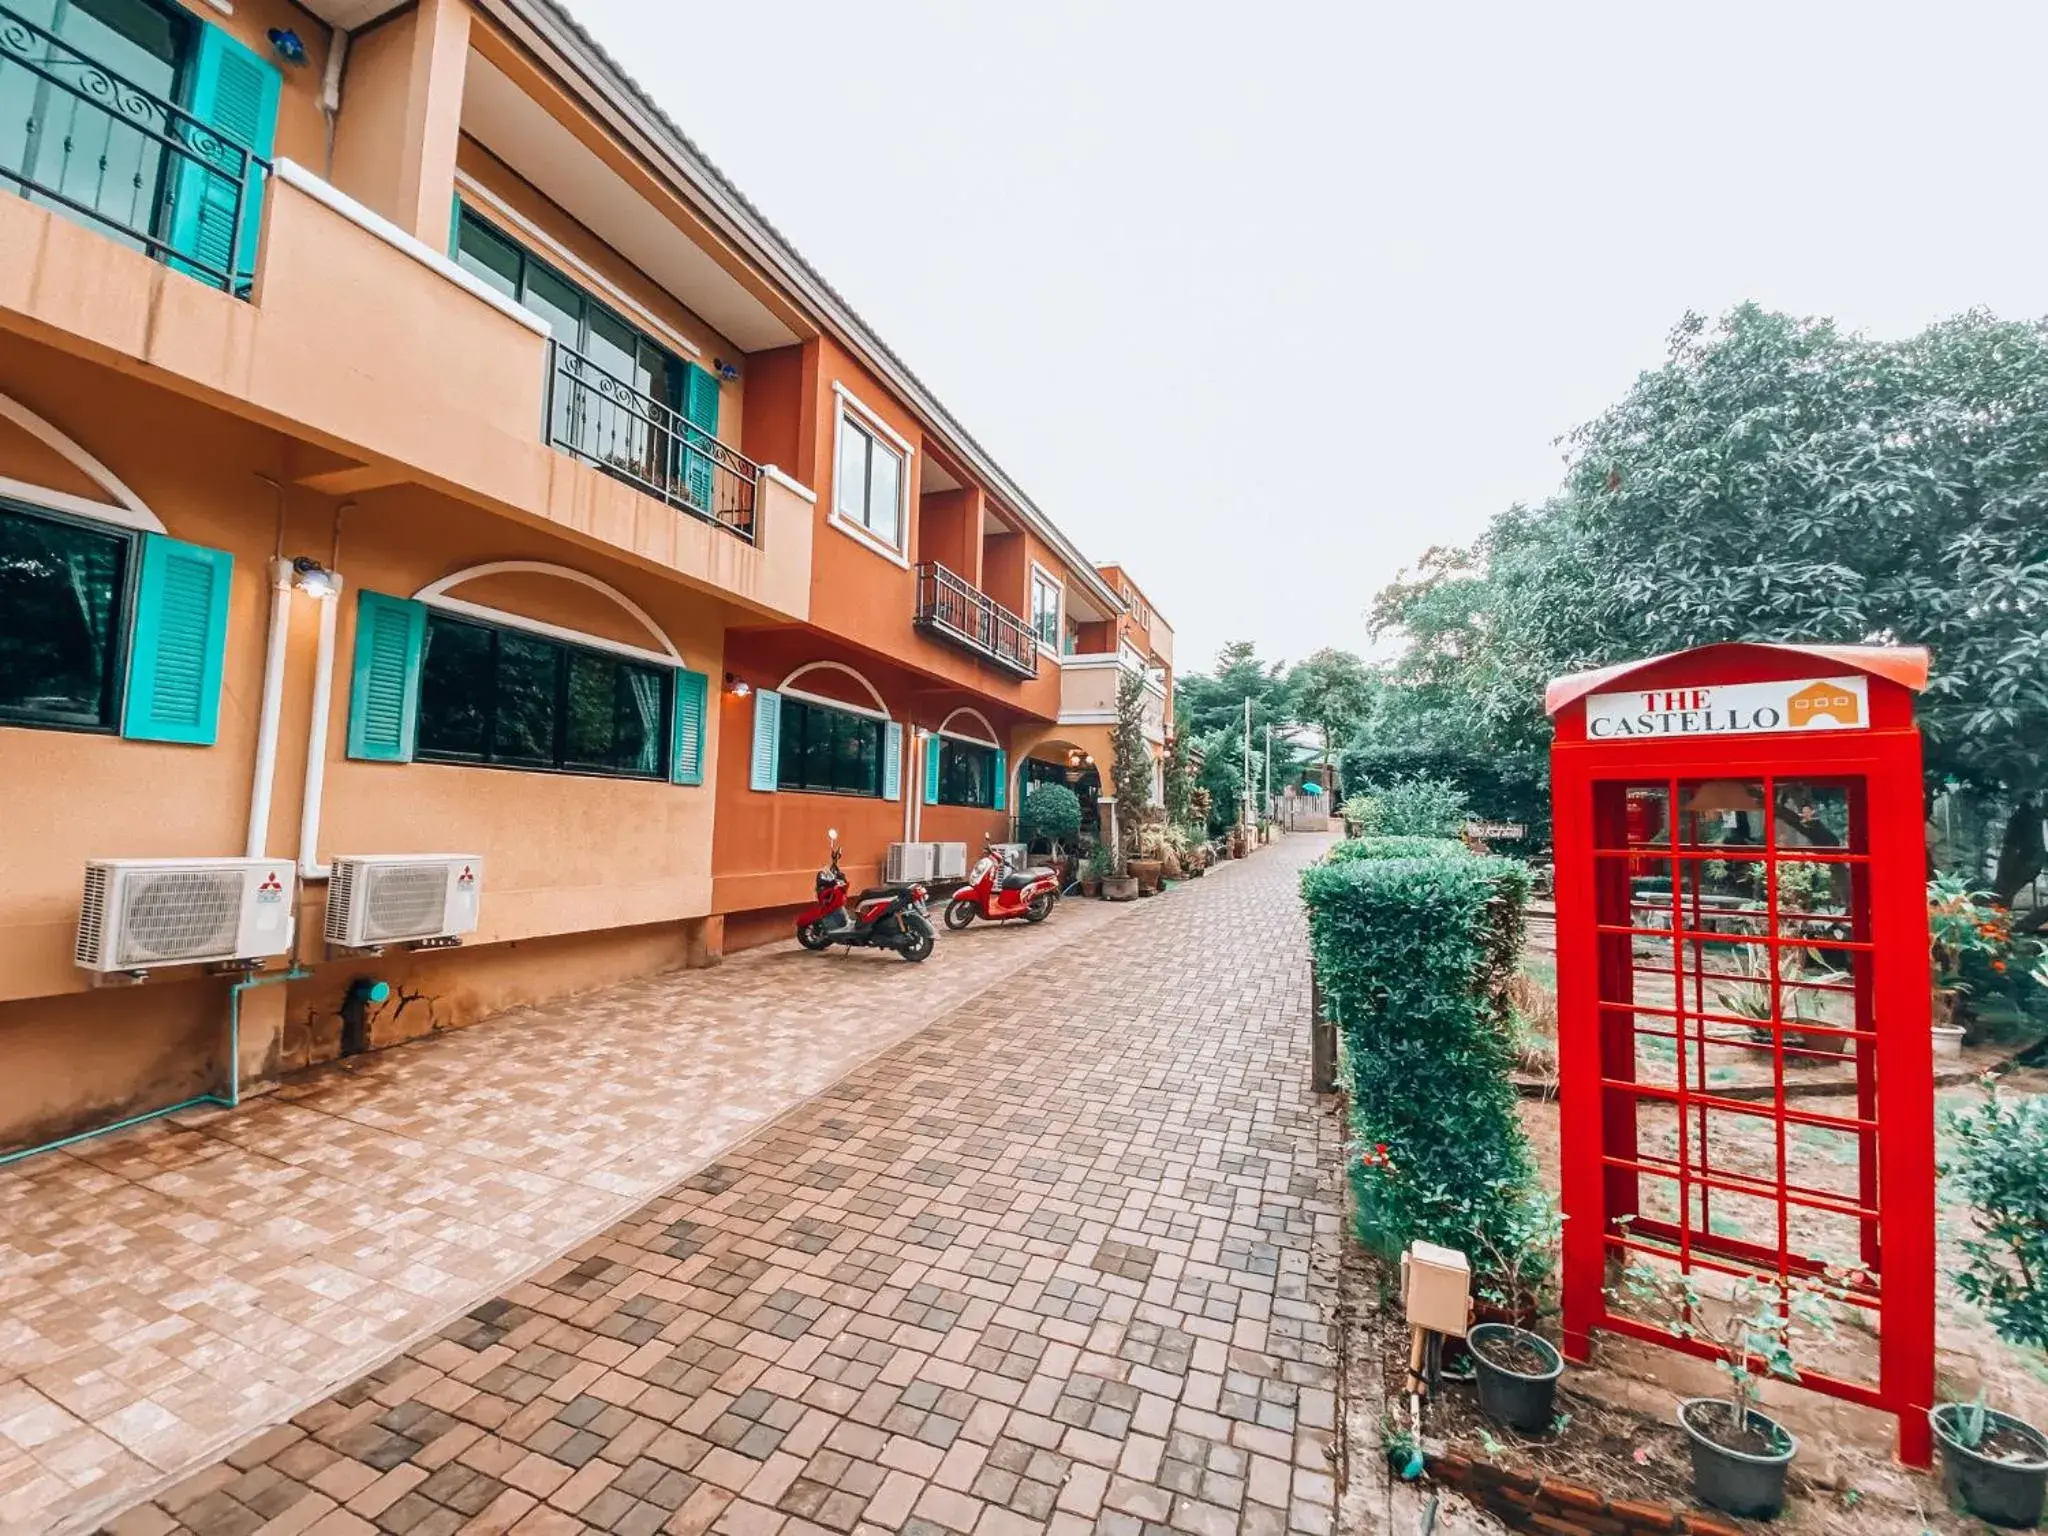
(409, 445)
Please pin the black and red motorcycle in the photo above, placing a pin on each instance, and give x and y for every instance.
(890, 918)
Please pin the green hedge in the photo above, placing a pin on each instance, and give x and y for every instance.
(1414, 955)
(1395, 848)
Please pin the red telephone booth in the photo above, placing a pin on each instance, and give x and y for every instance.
(1745, 1064)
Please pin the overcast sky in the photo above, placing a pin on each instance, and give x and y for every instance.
(1263, 300)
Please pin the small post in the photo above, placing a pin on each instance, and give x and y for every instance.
(1322, 1039)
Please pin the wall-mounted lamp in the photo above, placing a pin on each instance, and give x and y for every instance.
(313, 578)
(738, 687)
(287, 44)
(726, 371)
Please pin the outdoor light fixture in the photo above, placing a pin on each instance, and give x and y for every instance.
(738, 687)
(726, 371)
(313, 578)
(287, 44)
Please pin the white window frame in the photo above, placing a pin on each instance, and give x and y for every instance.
(1059, 613)
(864, 417)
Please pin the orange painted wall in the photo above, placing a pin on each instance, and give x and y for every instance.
(769, 846)
(501, 199)
(781, 406)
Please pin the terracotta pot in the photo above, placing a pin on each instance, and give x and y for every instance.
(1146, 873)
(1119, 888)
(1170, 866)
(1090, 886)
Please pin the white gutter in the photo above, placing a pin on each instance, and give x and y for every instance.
(310, 867)
(272, 709)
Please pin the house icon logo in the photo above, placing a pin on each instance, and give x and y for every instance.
(1822, 699)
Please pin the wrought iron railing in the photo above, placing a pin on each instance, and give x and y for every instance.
(948, 604)
(79, 138)
(604, 421)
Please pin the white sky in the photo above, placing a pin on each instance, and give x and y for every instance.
(1264, 300)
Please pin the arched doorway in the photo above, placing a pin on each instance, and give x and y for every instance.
(1071, 763)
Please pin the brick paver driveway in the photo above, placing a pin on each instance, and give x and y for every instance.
(1062, 1261)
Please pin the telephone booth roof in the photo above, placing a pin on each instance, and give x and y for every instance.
(1905, 665)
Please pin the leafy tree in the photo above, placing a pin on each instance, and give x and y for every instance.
(1051, 813)
(1212, 701)
(1776, 479)
(1222, 776)
(1174, 781)
(1333, 691)
(1131, 762)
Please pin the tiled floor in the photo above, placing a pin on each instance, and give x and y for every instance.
(167, 1292)
(1062, 1262)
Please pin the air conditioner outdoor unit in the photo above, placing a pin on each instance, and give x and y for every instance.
(949, 861)
(908, 862)
(402, 898)
(141, 913)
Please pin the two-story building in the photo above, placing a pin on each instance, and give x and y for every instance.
(409, 444)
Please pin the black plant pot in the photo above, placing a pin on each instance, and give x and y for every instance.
(1520, 1401)
(1752, 1486)
(2010, 1493)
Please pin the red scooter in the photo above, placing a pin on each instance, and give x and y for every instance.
(995, 893)
(883, 919)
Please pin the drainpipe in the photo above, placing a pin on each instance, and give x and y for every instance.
(912, 786)
(310, 867)
(231, 1100)
(272, 708)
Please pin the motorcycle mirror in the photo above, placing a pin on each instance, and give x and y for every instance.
(833, 833)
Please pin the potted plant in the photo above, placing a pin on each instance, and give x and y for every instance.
(1517, 1369)
(1050, 814)
(1995, 1464)
(1992, 1465)
(1961, 923)
(1094, 869)
(1150, 864)
(1739, 1454)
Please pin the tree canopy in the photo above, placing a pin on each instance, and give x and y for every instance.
(1776, 479)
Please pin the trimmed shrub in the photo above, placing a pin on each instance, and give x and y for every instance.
(1051, 814)
(1415, 956)
(1416, 807)
(1396, 848)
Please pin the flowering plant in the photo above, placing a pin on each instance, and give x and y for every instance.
(1963, 922)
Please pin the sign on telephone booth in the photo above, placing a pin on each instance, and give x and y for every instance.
(1745, 1062)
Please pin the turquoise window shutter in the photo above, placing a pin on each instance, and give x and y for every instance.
(700, 410)
(686, 763)
(767, 754)
(892, 761)
(233, 93)
(454, 224)
(179, 643)
(1002, 781)
(384, 696)
(931, 770)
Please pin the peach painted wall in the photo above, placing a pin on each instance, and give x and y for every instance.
(627, 864)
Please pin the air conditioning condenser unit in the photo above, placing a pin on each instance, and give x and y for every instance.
(402, 898)
(141, 913)
(908, 862)
(949, 861)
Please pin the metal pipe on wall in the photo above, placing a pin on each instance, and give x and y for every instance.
(310, 867)
(271, 709)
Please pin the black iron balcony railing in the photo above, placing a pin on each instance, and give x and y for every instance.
(79, 138)
(947, 605)
(599, 418)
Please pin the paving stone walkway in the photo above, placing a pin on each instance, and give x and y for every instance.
(1061, 1262)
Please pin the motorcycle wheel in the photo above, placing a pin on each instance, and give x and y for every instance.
(1039, 910)
(812, 936)
(959, 914)
(917, 943)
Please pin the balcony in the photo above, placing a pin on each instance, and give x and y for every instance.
(117, 157)
(600, 418)
(947, 605)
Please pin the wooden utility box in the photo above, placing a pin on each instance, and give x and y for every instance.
(1436, 1288)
